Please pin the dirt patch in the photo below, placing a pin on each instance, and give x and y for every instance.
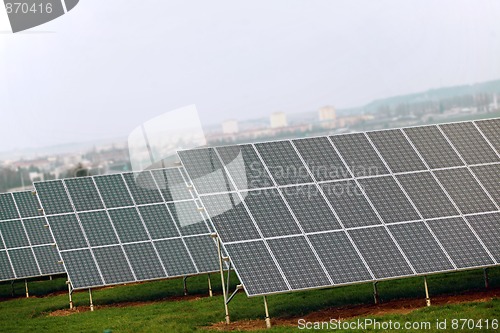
(80, 309)
(401, 306)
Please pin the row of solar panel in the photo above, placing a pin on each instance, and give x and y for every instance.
(323, 159)
(365, 254)
(27, 248)
(127, 227)
(290, 217)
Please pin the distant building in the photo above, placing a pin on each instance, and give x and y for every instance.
(278, 120)
(327, 117)
(230, 127)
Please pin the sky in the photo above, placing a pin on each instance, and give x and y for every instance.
(107, 66)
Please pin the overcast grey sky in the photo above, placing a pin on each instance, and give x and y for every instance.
(107, 66)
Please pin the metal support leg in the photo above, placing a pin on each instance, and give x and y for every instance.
(268, 319)
(427, 298)
(209, 286)
(70, 294)
(221, 268)
(26, 288)
(91, 302)
(184, 281)
(486, 279)
(376, 298)
(50, 277)
(12, 291)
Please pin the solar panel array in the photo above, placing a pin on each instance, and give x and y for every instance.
(325, 211)
(127, 227)
(27, 248)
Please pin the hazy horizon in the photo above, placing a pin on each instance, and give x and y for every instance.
(109, 66)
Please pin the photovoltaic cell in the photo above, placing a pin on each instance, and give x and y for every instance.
(396, 151)
(158, 221)
(255, 266)
(489, 176)
(23, 262)
(465, 191)
(340, 257)
(245, 167)
(171, 184)
(143, 187)
(388, 199)
(205, 170)
(27, 204)
(380, 252)
(425, 192)
(187, 218)
(433, 147)
(128, 225)
(322, 159)
(460, 243)
(296, 259)
(37, 232)
(13, 234)
(113, 264)
(469, 142)
(48, 259)
(175, 257)
(359, 155)
(98, 228)
(350, 204)
(7, 207)
(230, 217)
(490, 129)
(144, 261)
(113, 191)
(6, 272)
(310, 208)
(67, 232)
(84, 194)
(270, 213)
(283, 163)
(204, 252)
(487, 227)
(53, 197)
(83, 268)
(420, 247)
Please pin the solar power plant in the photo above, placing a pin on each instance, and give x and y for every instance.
(129, 227)
(335, 210)
(27, 249)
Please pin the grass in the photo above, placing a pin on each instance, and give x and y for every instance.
(188, 315)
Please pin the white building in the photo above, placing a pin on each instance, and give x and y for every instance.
(278, 120)
(230, 127)
(327, 117)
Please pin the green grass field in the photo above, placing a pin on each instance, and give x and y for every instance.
(166, 310)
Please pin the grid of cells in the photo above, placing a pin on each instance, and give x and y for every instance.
(470, 144)
(490, 129)
(127, 228)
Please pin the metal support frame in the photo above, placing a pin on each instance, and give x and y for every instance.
(26, 288)
(70, 295)
(184, 282)
(209, 286)
(12, 290)
(376, 297)
(91, 301)
(268, 319)
(486, 278)
(221, 268)
(427, 298)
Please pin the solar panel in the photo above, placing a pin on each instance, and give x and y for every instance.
(128, 227)
(26, 246)
(405, 204)
(490, 129)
